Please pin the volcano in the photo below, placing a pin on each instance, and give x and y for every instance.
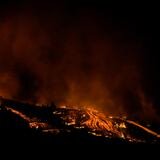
(70, 124)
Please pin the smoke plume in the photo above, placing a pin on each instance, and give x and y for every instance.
(77, 60)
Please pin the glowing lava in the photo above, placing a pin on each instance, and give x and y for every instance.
(69, 119)
(98, 121)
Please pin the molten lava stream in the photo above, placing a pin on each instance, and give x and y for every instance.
(98, 121)
(144, 128)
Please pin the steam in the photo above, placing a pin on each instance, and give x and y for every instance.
(71, 60)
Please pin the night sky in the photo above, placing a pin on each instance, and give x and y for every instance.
(81, 53)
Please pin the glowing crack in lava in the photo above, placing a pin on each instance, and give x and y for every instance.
(68, 119)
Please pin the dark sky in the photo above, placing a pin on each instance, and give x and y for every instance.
(76, 48)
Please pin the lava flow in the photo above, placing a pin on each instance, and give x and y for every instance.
(108, 126)
(70, 119)
(98, 121)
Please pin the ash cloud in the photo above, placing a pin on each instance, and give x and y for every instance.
(75, 60)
